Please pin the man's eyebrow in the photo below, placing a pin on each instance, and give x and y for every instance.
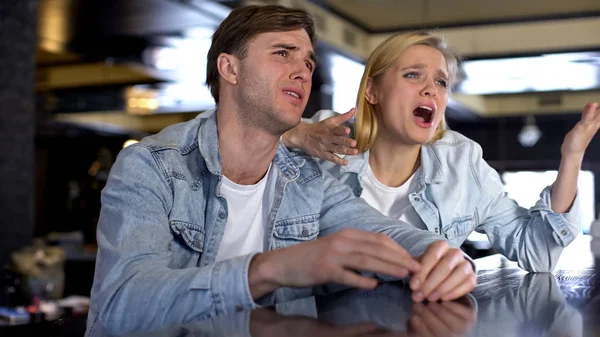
(287, 46)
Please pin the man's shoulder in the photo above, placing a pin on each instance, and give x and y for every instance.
(306, 163)
(181, 137)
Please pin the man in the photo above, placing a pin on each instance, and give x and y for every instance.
(214, 215)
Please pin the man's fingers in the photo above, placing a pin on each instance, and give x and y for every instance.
(340, 149)
(370, 257)
(458, 275)
(362, 262)
(359, 248)
(353, 279)
(420, 326)
(387, 249)
(334, 159)
(454, 322)
(341, 118)
(462, 310)
(428, 261)
(461, 289)
(359, 329)
(340, 130)
(442, 272)
(343, 140)
(437, 326)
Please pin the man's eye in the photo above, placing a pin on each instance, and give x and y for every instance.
(282, 52)
(309, 66)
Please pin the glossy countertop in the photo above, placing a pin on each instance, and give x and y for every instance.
(506, 302)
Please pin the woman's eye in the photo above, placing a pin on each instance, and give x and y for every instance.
(443, 83)
(412, 75)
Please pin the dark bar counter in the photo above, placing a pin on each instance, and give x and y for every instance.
(507, 302)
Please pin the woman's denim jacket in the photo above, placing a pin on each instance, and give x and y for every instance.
(163, 217)
(458, 193)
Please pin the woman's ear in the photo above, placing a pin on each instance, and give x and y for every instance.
(227, 66)
(370, 93)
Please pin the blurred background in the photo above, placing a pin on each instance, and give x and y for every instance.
(81, 79)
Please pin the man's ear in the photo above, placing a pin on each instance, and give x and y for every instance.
(370, 93)
(228, 66)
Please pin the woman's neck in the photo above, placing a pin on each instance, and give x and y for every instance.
(392, 163)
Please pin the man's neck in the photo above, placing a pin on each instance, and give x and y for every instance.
(246, 150)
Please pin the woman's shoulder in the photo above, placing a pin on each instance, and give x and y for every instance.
(453, 141)
(453, 138)
(455, 149)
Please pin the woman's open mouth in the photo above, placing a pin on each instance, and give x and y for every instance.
(424, 114)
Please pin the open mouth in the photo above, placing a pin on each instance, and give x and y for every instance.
(293, 94)
(424, 113)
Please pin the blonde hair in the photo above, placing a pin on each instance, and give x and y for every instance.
(380, 60)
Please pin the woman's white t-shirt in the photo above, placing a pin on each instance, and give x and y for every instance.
(391, 201)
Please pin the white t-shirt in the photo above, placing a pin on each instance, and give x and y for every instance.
(391, 201)
(246, 217)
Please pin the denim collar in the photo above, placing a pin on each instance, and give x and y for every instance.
(208, 142)
(431, 166)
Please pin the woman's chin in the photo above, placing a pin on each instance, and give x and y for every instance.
(422, 138)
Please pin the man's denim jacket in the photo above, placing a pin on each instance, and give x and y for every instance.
(458, 193)
(163, 217)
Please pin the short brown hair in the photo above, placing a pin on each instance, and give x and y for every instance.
(242, 25)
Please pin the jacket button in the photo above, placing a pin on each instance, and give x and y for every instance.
(304, 232)
(221, 215)
(417, 199)
(564, 232)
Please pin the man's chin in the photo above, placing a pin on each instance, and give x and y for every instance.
(289, 119)
(288, 125)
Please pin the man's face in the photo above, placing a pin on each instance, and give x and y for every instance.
(275, 79)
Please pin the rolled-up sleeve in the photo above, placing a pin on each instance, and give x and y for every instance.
(535, 237)
(566, 225)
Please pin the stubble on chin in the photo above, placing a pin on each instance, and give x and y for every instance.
(260, 108)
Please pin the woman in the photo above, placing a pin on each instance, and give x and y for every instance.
(407, 165)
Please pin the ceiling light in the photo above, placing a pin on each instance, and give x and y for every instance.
(530, 133)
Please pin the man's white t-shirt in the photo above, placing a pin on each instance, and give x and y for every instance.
(391, 201)
(246, 217)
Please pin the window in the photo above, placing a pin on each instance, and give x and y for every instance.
(536, 181)
(525, 187)
(346, 75)
(569, 71)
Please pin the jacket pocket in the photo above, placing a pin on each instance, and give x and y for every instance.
(191, 234)
(303, 228)
(459, 226)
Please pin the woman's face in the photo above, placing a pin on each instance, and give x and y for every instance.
(411, 95)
